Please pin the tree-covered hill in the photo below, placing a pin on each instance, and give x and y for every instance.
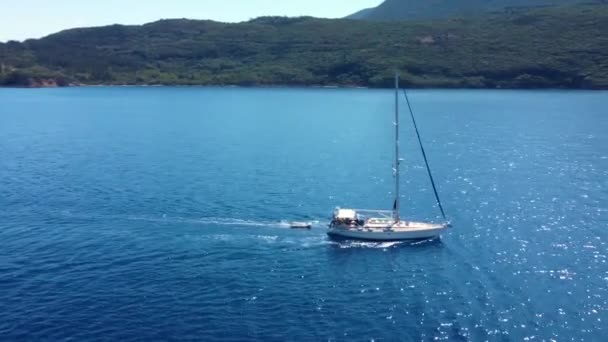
(554, 47)
(434, 9)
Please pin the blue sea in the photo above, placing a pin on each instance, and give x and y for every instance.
(143, 214)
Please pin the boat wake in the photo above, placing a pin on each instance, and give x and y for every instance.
(217, 221)
(224, 221)
(364, 244)
(347, 244)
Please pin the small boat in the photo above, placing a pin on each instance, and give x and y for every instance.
(300, 225)
(386, 225)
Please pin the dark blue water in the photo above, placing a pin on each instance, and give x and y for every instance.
(159, 213)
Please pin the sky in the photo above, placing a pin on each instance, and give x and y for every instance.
(23, 19)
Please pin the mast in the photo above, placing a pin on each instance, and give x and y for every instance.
(397, 161)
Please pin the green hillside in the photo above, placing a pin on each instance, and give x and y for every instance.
(436, 9)
(557, 47)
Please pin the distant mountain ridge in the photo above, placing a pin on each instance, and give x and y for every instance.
(362, 14)
(391, 10)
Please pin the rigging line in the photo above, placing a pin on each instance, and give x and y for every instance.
(426, 161)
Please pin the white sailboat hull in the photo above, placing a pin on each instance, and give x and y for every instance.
(400, 232)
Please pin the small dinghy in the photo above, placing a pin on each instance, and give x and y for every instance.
(300, 225)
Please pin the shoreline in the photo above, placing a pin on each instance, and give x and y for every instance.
(296, 87)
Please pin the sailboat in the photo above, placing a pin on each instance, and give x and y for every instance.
(387, 225)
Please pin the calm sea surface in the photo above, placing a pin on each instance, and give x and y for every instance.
(160, 213)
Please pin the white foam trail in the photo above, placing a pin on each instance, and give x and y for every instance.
(223, 221)
(164, 218)
(236, 222)
(388, 244)
(377, 245)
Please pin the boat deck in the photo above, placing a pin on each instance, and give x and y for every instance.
(403, 226)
